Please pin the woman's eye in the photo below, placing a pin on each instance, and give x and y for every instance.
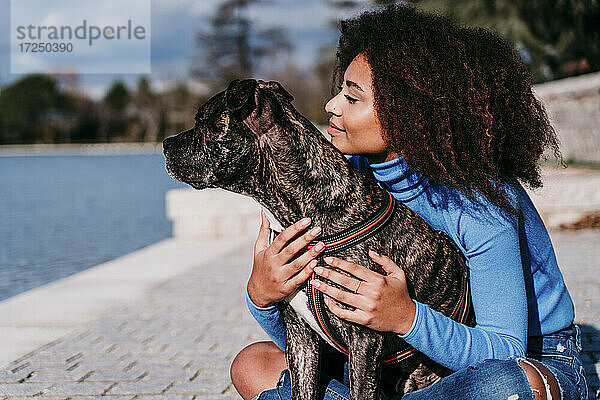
(350, 99)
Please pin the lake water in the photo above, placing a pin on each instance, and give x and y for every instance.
(62, 214)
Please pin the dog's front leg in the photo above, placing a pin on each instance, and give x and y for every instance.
(303, 354)
(366, 352)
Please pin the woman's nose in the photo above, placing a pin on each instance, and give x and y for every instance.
(330, 106)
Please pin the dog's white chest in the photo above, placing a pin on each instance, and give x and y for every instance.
(273, 222)
(299, 302)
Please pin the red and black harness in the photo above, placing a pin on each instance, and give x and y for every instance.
(350, 237)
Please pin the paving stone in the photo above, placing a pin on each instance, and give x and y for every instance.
(200, 387)
(165, 396)
(100, 398)
(6, 376)
(139, 388)
(22, 389)
(52, 375)
(31, 365)
(158, 364)
(78, 388)
(98, 364)
(116, 375)
(171, 374)
(213, 374)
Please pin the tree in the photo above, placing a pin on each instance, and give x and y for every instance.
(26, 107)
(232, 48)
(113, 112)
(555, 38)
(147, 112)
(117, 97)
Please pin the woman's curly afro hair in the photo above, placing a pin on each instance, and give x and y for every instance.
(455, 101)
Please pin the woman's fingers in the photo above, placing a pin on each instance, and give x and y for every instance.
(295, 281)
(305, 258)
(343, 280)
(287, 234)
(357, 315)
(389, 266)
(340, 295)
(294, 247)
(357, 270)
(305, 263)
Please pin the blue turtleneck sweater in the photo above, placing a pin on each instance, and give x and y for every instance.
(516, 286)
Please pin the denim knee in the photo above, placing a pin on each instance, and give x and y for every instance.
(489, 379)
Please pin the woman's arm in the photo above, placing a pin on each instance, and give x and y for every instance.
(499, 299)
(270, 319)
(498, 294)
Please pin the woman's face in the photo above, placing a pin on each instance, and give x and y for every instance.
(353, 126)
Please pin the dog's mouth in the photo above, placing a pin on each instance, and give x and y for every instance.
(185, 172)
(196, 184)
(199, 185)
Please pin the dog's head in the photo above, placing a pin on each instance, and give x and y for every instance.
(223, 149)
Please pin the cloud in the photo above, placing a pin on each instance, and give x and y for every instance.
(194, 8)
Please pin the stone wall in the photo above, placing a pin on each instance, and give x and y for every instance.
(573, 105)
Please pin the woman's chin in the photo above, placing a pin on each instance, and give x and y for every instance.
(340, 144)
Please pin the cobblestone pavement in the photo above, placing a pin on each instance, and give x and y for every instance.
(578, 255)
(179, 342)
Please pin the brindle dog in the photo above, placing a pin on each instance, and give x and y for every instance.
(249, 139)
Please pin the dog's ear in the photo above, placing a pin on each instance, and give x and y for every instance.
(239, 96)
(251, 106)
(277, 88)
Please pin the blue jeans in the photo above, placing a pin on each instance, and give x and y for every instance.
(489, 379)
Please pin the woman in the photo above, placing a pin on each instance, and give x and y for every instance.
(443, 117)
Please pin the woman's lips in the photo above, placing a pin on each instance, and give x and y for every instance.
(334, 130)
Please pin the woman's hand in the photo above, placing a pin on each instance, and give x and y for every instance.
(382, 302)
(273, 278)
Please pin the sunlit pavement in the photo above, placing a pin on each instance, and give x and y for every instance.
(179, 339)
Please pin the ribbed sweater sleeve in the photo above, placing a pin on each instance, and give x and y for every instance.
(269, 319)
(499, 299)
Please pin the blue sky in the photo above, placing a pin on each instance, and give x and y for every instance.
(174, 24)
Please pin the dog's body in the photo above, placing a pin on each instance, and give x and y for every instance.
(250, 140)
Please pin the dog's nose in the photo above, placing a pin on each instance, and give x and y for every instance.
(167, 141)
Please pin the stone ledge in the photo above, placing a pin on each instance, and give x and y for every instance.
(568, 195)
(212, 214)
